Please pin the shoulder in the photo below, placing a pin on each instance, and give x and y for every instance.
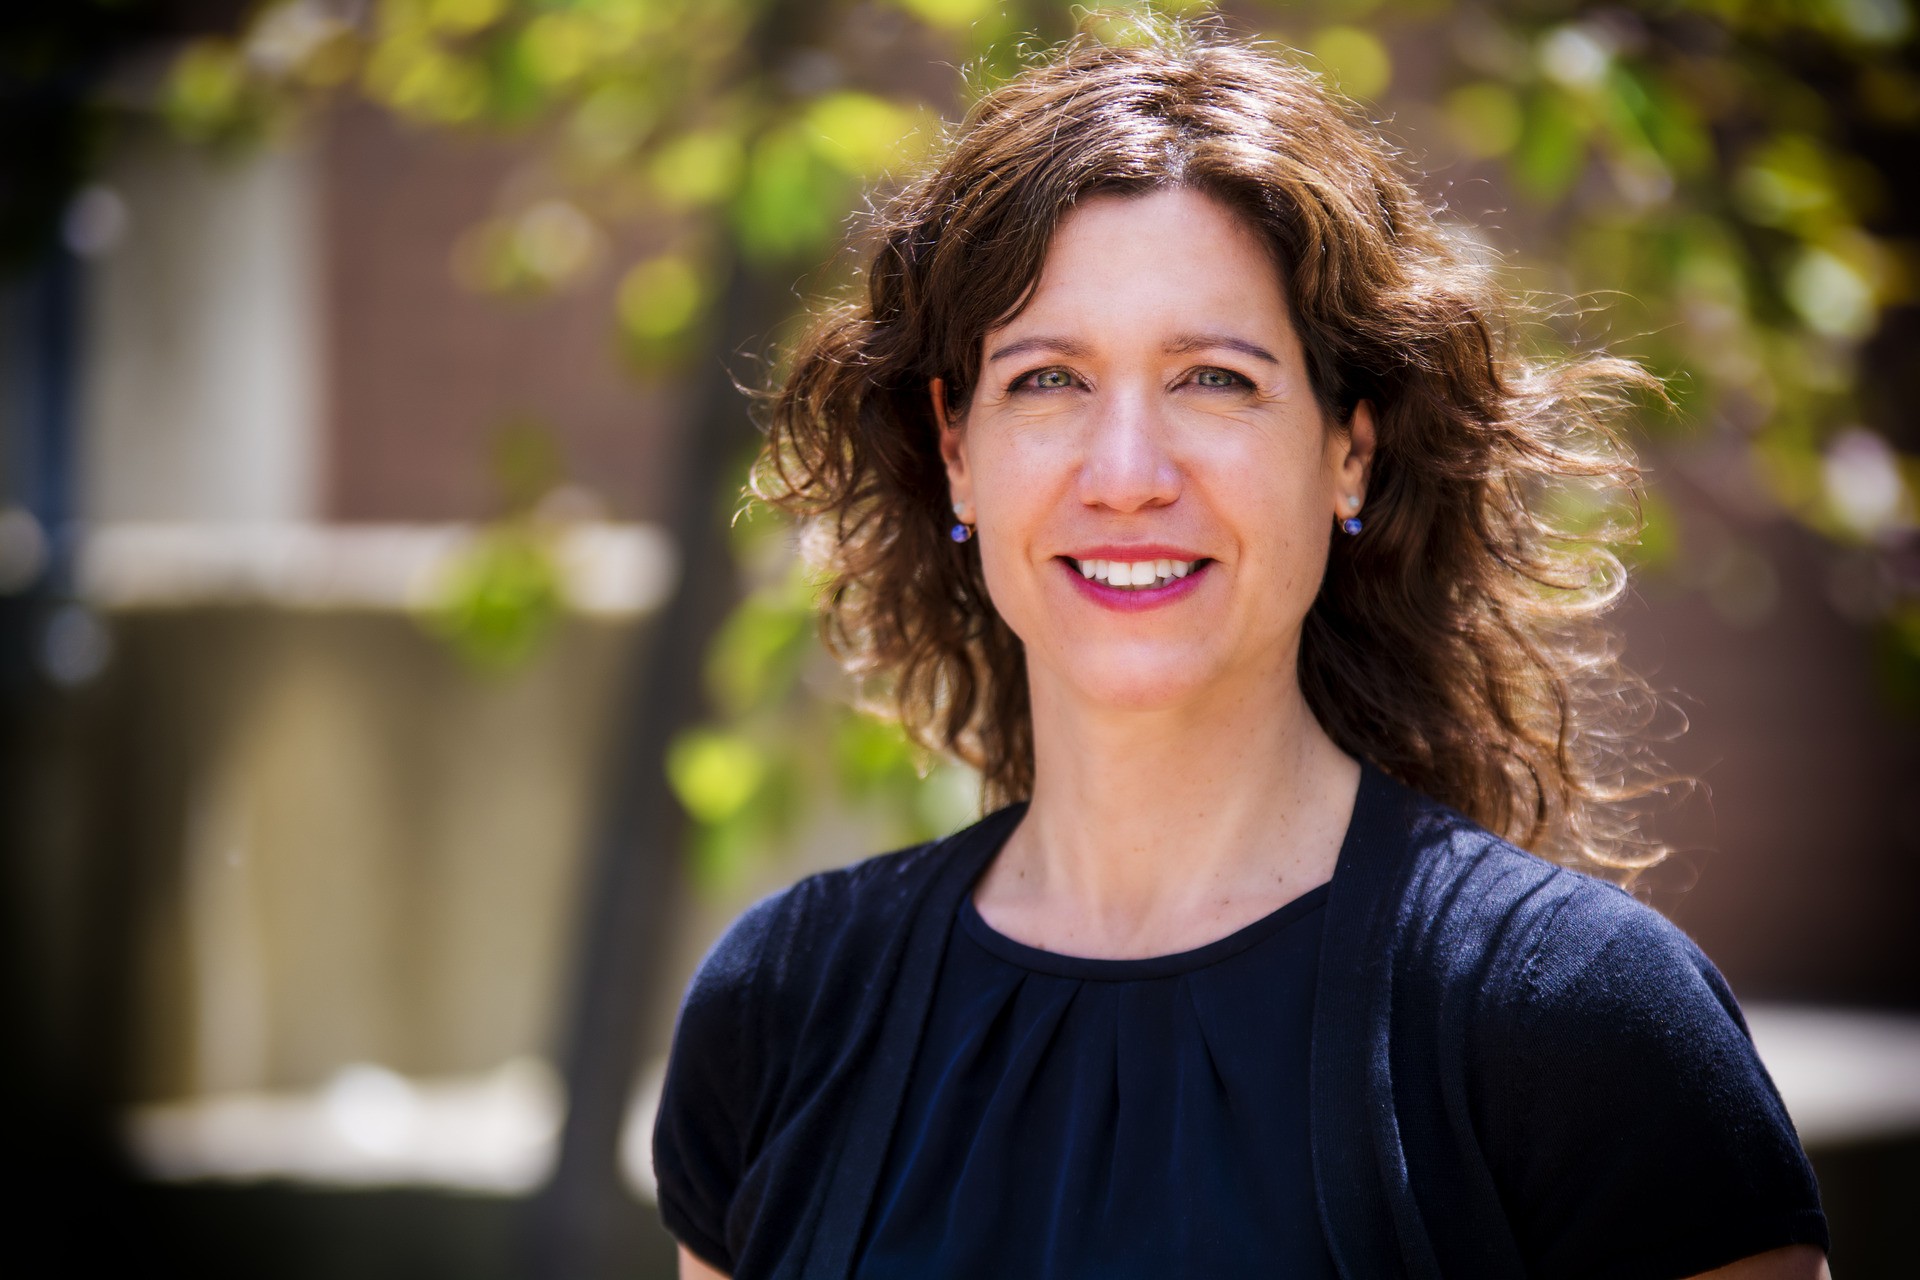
(1569, 978)
(1558, 922)
(770, 986)
(742, 1020)
(811, 947)
(1541, 942)
(779, 949)
(1598, 1058)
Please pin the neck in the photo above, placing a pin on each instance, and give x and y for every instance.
(1142, 820)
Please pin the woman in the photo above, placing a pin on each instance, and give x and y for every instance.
(1175, 473)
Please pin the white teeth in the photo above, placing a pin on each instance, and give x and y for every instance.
(1134, 573)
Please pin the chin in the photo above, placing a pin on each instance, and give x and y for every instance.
(1135, 677)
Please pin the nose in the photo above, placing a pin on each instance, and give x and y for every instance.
(1127, 466)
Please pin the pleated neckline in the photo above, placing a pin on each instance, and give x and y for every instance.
(1135, 968)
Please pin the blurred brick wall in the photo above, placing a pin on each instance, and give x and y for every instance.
(1798, 868)
(421, 372)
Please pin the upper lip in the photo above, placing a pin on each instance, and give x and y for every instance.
(1135, 553)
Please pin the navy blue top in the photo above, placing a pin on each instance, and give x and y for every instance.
(1068, 1116)
(1518, 1071)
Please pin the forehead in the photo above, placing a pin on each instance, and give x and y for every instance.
(1171, 256)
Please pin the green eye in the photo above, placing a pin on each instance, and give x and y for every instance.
(1217, 378)
(1042, 380)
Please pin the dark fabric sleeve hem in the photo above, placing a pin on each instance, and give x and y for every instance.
(703, 1246)
(1806, 1226)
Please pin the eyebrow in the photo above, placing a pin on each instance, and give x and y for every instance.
(1179, 344)
(1064, 346)
(1185, 342)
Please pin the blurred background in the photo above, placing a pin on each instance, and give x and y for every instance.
(396, 699)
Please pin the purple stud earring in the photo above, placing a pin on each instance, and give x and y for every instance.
(961, 530)
(1352, 523)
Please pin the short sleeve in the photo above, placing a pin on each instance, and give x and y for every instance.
(713, 1081)
(1638, 1135)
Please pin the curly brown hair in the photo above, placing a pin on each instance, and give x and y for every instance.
(1458, 645)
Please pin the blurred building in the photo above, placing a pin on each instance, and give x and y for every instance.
(300, 882)
(311, 881)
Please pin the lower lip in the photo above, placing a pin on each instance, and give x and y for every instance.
(1124, 601)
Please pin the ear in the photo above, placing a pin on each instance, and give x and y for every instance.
(1354, 457)
(951, 433)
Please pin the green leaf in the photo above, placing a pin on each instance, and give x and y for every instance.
(700, 167)
(462, 17)
(870, 753)
(1787, 182)
(714, 773)
(559, 47)
(1659, 546)
(501, 600)
(950, 15)
(758, 652)
(791, 203)
(1485, 118)
(1663, 120)
(420, 79)
(661, 300)
(862, 135)
(613, 120)
(1553, 145)
(1359, 65)
(209, 97)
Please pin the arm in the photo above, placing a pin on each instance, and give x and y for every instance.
(691, 1268)
(1795, 1262)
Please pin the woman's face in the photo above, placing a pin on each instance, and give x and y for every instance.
(1150, 407)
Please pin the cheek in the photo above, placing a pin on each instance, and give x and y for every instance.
(1306, 568)
(1013, 586)
(1014, 492)
(1019, 477)
(1283, 526)
(1285, 489)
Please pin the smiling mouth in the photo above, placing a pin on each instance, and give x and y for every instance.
(1135, 575)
